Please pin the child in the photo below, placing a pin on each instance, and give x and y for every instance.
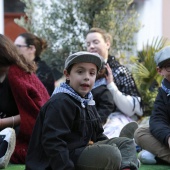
(105, 105)
(102, 96)
(68, 133)
(155, 139)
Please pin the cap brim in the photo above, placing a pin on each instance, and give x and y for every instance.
(163, 62)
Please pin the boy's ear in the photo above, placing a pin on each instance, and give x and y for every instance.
(159, 70)
(65, 72)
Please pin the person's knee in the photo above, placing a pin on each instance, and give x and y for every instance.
(110, 152)
(112, 157)
(101, 156)
(136, 135)
(108, 156)
(140, 134)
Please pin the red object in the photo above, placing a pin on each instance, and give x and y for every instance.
(11, 29)
(30, 95)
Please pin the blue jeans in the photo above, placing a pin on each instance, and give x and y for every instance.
(111, 154)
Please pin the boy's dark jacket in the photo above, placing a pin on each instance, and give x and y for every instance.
(63, 129)
(160, 118)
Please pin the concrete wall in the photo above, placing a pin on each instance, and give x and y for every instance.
(151, 18)
(166, 19)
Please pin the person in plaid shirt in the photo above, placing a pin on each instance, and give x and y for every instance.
(121, 84)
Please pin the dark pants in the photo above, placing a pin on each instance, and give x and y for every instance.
(112, 154)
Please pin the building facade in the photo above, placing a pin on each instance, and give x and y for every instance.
(11, 10)
(154, 17)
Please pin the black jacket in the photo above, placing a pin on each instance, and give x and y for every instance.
(104, 102)
(45, 74)
(160, 117)
(62, 130)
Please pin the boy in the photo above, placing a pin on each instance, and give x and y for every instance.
(155, 139)
(68, 133)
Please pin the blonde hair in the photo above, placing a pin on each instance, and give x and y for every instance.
(106, 36)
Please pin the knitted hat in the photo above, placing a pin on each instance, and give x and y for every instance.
(84, 57)
(162, 56)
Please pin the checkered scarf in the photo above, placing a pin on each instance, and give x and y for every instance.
(65, 88)
(164, 86)
(123, 78)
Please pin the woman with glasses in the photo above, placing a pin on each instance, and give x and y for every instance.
(21, 96)
(155, 139)
(31, 47)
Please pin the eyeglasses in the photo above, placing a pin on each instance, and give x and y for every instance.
(167, 67)
(20, 46)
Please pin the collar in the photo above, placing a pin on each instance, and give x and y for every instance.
(65, 88)
(165, 85)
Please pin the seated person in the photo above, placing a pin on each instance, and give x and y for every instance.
(155, 138)
(102, 96)
(31, 47)
(68, 133)
(120, 83)
(21, 96)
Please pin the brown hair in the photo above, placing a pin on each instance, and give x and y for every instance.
(40, 44)
(106, 36)
(9, 55)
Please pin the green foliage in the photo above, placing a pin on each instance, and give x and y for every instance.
(117, 17)
(64, 24)
(145, 74)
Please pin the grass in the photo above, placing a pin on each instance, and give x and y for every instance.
(143, 167)
(15, 167)
(154, 167)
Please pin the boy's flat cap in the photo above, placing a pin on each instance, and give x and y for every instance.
(162, 56)
(84, 57)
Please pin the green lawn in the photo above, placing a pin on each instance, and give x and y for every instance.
(15, 167)
(154, 167)
(143, 167)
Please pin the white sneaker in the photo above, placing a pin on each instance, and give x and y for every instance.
(146, 157)
(10, 138)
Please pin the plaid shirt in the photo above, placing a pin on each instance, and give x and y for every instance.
(123, 78)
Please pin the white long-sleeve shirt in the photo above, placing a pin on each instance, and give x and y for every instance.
(129, 105)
